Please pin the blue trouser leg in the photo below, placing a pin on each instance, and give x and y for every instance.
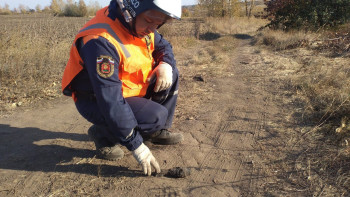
(167, 98)
(89, 110)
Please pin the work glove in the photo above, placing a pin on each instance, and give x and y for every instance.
(164, 74)
(144, 156)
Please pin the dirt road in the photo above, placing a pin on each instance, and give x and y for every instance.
(223, 111)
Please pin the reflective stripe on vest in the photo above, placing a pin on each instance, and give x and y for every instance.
(111, 32)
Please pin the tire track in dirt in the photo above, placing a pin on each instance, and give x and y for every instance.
(222, 166)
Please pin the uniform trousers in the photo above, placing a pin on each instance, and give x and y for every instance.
(152, 112)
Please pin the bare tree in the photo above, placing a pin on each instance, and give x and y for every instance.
(249, 5)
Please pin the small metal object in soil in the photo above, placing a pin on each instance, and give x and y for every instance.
(176, 172)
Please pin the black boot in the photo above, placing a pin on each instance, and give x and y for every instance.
(105, 149)
(164, 137)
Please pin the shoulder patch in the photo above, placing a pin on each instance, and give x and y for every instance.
(105, 66)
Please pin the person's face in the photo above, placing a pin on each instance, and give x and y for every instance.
(148, 21)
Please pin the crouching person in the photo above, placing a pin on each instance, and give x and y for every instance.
(122, 76)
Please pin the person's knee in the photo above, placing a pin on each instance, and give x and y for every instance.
(160, 115)
(154, 120)
(89, 110)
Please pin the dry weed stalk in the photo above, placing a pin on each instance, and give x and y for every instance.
(344, 126)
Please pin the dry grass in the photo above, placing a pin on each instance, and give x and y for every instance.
(280, 40)
(324, 85)
(323, 80)
(35, 49)
(320, 89)
(332, 43)
(236, 25)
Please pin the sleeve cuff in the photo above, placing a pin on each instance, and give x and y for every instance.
(133, 142)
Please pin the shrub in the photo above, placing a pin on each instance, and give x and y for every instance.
(288, 14)
(75, 10)
(6, 10)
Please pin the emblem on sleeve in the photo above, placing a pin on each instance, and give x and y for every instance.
(105, 66)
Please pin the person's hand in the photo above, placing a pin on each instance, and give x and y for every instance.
(164, 74)
(144, 156)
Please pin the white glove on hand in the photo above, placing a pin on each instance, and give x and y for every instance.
(144, 156)
(164, 74)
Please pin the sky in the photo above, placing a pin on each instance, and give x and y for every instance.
(33, 3)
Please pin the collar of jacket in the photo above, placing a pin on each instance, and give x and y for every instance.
(115, 14)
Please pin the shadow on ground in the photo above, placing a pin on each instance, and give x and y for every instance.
(242, 36)
(19, 152)
(209, 36)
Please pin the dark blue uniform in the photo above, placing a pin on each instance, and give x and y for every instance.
(101, 102)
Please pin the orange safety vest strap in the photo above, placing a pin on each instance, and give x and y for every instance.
(71, 71)
(88, 38)
(111, 32)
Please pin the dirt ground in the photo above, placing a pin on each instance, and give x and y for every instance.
(232, 119)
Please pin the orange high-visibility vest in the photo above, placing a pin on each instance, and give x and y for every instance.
(135, 54)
